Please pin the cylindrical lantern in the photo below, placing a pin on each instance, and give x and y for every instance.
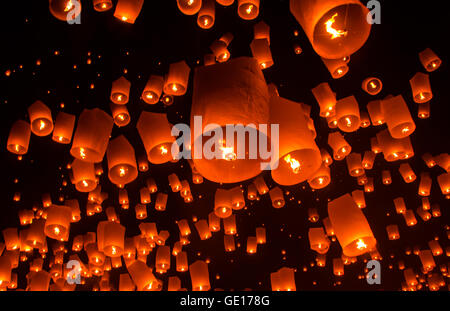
(64, 125)
(283, 280)
(189, 7)
(142, 276)
(92, 135)
(220, 50)
(155, 132)
(365, 121)
(182, 262)
(424, 110)
(120, 114)
(368, 160)
(153, 89)
(252, 245)
(203, 229)
(261, 235)
(299, 156)
(261, 31)
(128, 10)
(397, 116)
(444, 183)
(425, 184)
(122, 167)
(176, 81)
(19, 137)
(318, 241)
(407, 173)
(358, 197)
(84, 176)
(335, 28)
(229, 225)
(141, 211)
(207, 14)
(102, 5)
(65, 10)
(372, 86)
(113, 237)
(354, 164)
(347, 114)
(375, 112)
(233, 92)
(144, 194)
(393, 233)
(261, 52)
(161, 201)
(352, 229)
(321, 178)
(338, 267)
(40, 119)
(326, 99)
(337, 67)
(429, 60)
(421, 89)
(120, 91)
(228, 241)
(410, 218)
(213, 222)
(248, 9)
(57, 224)
(339, 145)
(393, 149)
(199, 276)
(162, 260)
(386, 177)
(277, 197)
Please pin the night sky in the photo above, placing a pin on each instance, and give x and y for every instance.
(163, 35)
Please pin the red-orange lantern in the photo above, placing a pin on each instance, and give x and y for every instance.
(326, 99)
(207, 14)
(122, 167)
(65, 10)
(120, 114)
(421, 89)
(199, 276)
(372, 86)
(120, 91)
(189, 7)
(347, 114)
(429, 60)
(153, 89)
(19, 137)
(102, 5)
(40, 119)
(337, 67)
(128, 10)
(248, 9)
(261, 52)
(397, 116)
(176, 81)
(64, 125)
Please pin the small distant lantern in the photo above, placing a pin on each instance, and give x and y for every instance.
(64, 126)
(121, 161)
(429, 60)
(386, 177)
(372, 86)
(176, 81)
(65, 10)
(84, 176)
(19, 137)
(277, 197)
(318, 241)
(189, 7)
(424, 110)
(102, 5)
(40, 119)
(207, 14)
(368, 159)
(354, 164)
(347, 114)
(393, 233)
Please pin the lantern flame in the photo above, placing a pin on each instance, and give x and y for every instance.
(122, 172)
(295, 164)
(360, 244)
(163, 150)
(334, 32)
(249, 9)
(190, 2)
(349, 122)
(57, 231)
(69, 6)
(85, 183)
(82, 153)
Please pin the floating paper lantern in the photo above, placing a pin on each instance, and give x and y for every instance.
(400, 206)
(421, 89)
(153, 89)
(112, 237)
(64, 125)
(425, 184)
(394, 149)
(358, 197)
(444, 183)
(261, 52)
(213, 222)
(321, 178)
(203, 229)
(122, 167)
(237, 198)
(228, 241)
(91, 135)
(128, 10)
(347, 114)
(352, 229)
(436, 210)
(424, 110)
(397, 116)
(141, 211)
(176, 81)
(40, 119)
(144, 194)
(225, 2)
(84, 176)
(423, 214)
(318, 241)
(102, 5)
(120, 91)
(435, 248)
(354, 164)
(183, 225)
(248, 9)
(57, 224)
(199, 276)
(143, 277)
(338, 267)
(299, 156)
(189, 7)
(65, 10)
(277, 197)
(39, 281)
(209, 59)
(365, 121)
(337, 67)
(326, 99)
(35, 236)
(335, 28)
(429, 60)
(207, 14)
(182, 262)
(260, 185)
(368, 185)
(313, 214)
(372, 86)
(19, 138)
(120, 114)
(339, 145)
(162, 260)
(332, 121)
(410, 218)
(155, 132)
(11, 238)
(174, 284)
(368, 160)
(261, 31)
(252, 245)
(393, 233)
(220, 50)
(151, 185)
(443, 160)
(261, 235)
(221, 100)
(386, 177)
(283, 280)
(161, 201)
(229, 225)
(407, 173)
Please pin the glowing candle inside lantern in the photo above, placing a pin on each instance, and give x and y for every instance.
(295, 164)
(334, 32)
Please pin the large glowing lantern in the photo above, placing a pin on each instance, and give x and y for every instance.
(128, 10)
(84, 176)
(261, 51)
(283, 280)
(142, 276)
(176, 81)
(155, 132)
(351, 227)
(65, 10)
(92, 135)
(189, 7)
(397, 116)
(120, 91)
(40, 119)
(19, 137)
(421, 89)
(64, 125)
(121, 161)
(335, 28)
(299, 156)
(57, 224)
(199, 276)
(347, 114)
(235, 93)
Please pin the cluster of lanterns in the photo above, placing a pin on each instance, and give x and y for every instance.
(245, 98)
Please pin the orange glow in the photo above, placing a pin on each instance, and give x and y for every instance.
(360, 244)
(69, 6)
(57, 231)
(163, 150)
(122, 172)
(295, 164)
(82, 153)
(249, 9)
(334, 32)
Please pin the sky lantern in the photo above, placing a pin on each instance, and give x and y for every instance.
(365, 121)
(189, 7)
(11, 238)
(248, 9)
(368, 185)
(260, 185)
(161, 201)
(326, 99)
(321, 178)
(142, 276)
(444, 183)
(261, 52)
(347, 114)
(122, 167)
(443, 160)
(318, 240)
(128, 10)
(176, 81)
(277, 197)
(229, 225)
(153, 89)
(427, 260)
(400, 206)
(375, 113)
(155, 132)
(39, 281)
(338, 267)
(261, 235)
(410, 218)
(337, 67)
(57, 224)
(407, 173)
(162, 259)
(225, 2)
(283, 280)
(91, 135)
(252, 245)
(372, 86)
(142, 163)
(397, 116)
(352, 229)
(354, 164)
(120, 114)
(223, 100)
(358, 197)
(64, 126)
(65, 10)
(429, 60)
(35, 236)
(84, 176)
(183, 225)
(228, 241)
(425, 184)
(40, 119)
(261, 31)
(368, 159)
(213, 222)
(120, 91)
(102, 5)
(220, 50)
(424, 110)
(174, 284)
(19, 137)
(207, 14)
(237, 198)
(339, 145)
(421, 89)
(335, 28)
(394, 149)
(182, 262)
(209, 59)
(222, 203)
(386, 177)
(326, 158)
(203, 229)
(144, 194)
(299, 156)
(199, 276)
(332, 121)
(392, 232)
(125, 283)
